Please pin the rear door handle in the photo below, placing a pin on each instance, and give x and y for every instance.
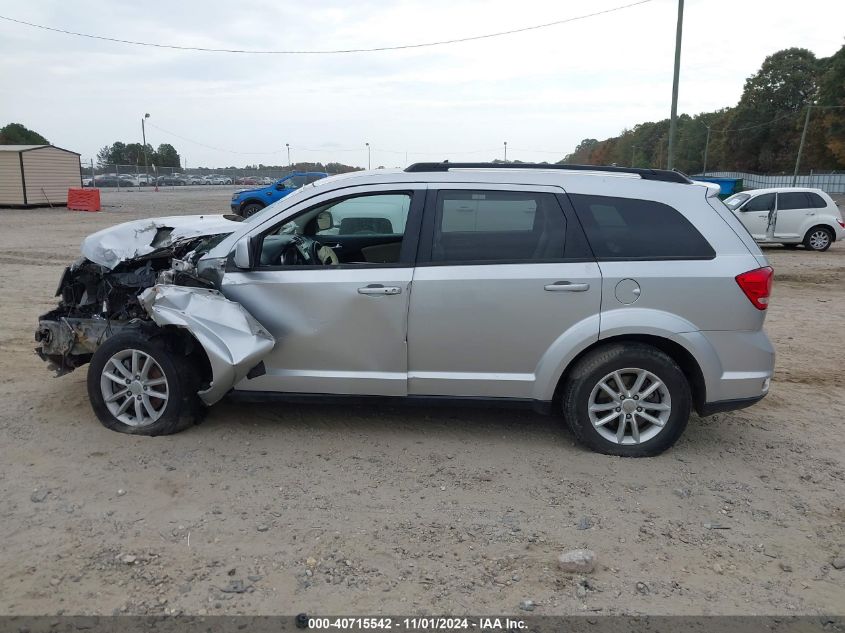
(378, 289)
(566, 286)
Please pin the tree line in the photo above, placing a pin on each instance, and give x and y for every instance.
(119, 153)
(761, 133)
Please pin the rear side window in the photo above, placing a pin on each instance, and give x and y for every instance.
(793, 200)
(816, 201)
(629, 228)
(497, 226)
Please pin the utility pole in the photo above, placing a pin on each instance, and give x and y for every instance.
(673, 119)
(369, 166)
(144, 139)
(706, 147)
(290, 167)
(801, 146)
(506, 151)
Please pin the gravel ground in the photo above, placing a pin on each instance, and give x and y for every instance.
(320, 508)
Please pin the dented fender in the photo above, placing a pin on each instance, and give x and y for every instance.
(231, 337)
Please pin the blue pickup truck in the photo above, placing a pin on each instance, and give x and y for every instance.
(249, 201)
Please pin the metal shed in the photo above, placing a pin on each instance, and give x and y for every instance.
(36, 175)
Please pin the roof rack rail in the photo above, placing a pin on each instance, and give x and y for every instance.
(664, 175)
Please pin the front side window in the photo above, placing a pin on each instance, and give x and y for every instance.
(497, 226)
(630, 228)
(365, 229)
(792, 200)
(765, 202)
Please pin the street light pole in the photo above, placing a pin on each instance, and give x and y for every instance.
(706, 147)
(368, 157)
(144, 139)
(673, 119)
(506, 151)
(290, 167)
(801, 146)
(633, 154)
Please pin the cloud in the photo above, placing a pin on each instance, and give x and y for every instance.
(542, 90)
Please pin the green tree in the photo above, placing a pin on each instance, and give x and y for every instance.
(832, 93)
(19, 134)
(167, 156)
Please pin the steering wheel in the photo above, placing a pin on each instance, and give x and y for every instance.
(303, 251)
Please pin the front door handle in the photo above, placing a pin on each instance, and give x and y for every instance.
(378, 289)
(566, 286)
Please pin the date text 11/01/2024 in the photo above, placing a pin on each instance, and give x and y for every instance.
(412, 624)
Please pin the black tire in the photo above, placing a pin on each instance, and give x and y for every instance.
(596, 365)
(814, 242)
(251, 208)
(183, 407)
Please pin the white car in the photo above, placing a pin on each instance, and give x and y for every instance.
(789, 216)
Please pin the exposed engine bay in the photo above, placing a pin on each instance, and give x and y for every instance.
(130, 277)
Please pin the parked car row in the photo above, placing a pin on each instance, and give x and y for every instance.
(143, 180)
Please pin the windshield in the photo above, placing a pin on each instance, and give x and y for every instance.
(734, 201)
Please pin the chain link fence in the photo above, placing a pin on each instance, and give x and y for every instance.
(831, 182)
(137, 176)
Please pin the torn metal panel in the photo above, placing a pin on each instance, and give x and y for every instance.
(137, 238)
(233, 340)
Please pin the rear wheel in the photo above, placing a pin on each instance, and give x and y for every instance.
(628, 399)
(138, 385)
(251, 209)
(818, 238)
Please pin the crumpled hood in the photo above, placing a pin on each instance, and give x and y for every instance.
(129, 240)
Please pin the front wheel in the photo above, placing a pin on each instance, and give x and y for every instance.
(138, 385)
(818, 238)
(251, 209)
(627, 399)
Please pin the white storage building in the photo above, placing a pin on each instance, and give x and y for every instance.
(36, 175)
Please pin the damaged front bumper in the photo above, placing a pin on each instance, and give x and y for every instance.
(151, 296)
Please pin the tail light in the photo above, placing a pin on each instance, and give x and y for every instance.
(757, 286)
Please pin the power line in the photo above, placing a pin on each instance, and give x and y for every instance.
(325, 52)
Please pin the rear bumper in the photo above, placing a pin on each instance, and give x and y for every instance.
(739, 368)
(709, 408)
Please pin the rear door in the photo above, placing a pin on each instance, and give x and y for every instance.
(501, 275)
(793, 209)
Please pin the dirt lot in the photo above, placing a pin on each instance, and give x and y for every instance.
(326, 509)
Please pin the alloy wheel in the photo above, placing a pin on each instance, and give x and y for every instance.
(134, 387)
(629, 406)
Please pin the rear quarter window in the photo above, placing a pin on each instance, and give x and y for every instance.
(816, 201)
(634, 229)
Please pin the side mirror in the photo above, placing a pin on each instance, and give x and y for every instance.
(244, 254)
(325, 221)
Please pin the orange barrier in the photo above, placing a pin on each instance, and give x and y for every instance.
(83, 199)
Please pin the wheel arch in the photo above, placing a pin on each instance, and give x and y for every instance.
(251, 201)
(677, 352)
(827, 227)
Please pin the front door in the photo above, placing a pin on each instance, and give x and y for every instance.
(498, 282)
(340, 327)
(758, 215)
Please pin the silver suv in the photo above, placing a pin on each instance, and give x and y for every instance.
(622, 299)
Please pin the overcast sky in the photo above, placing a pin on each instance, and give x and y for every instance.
(541, 91)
